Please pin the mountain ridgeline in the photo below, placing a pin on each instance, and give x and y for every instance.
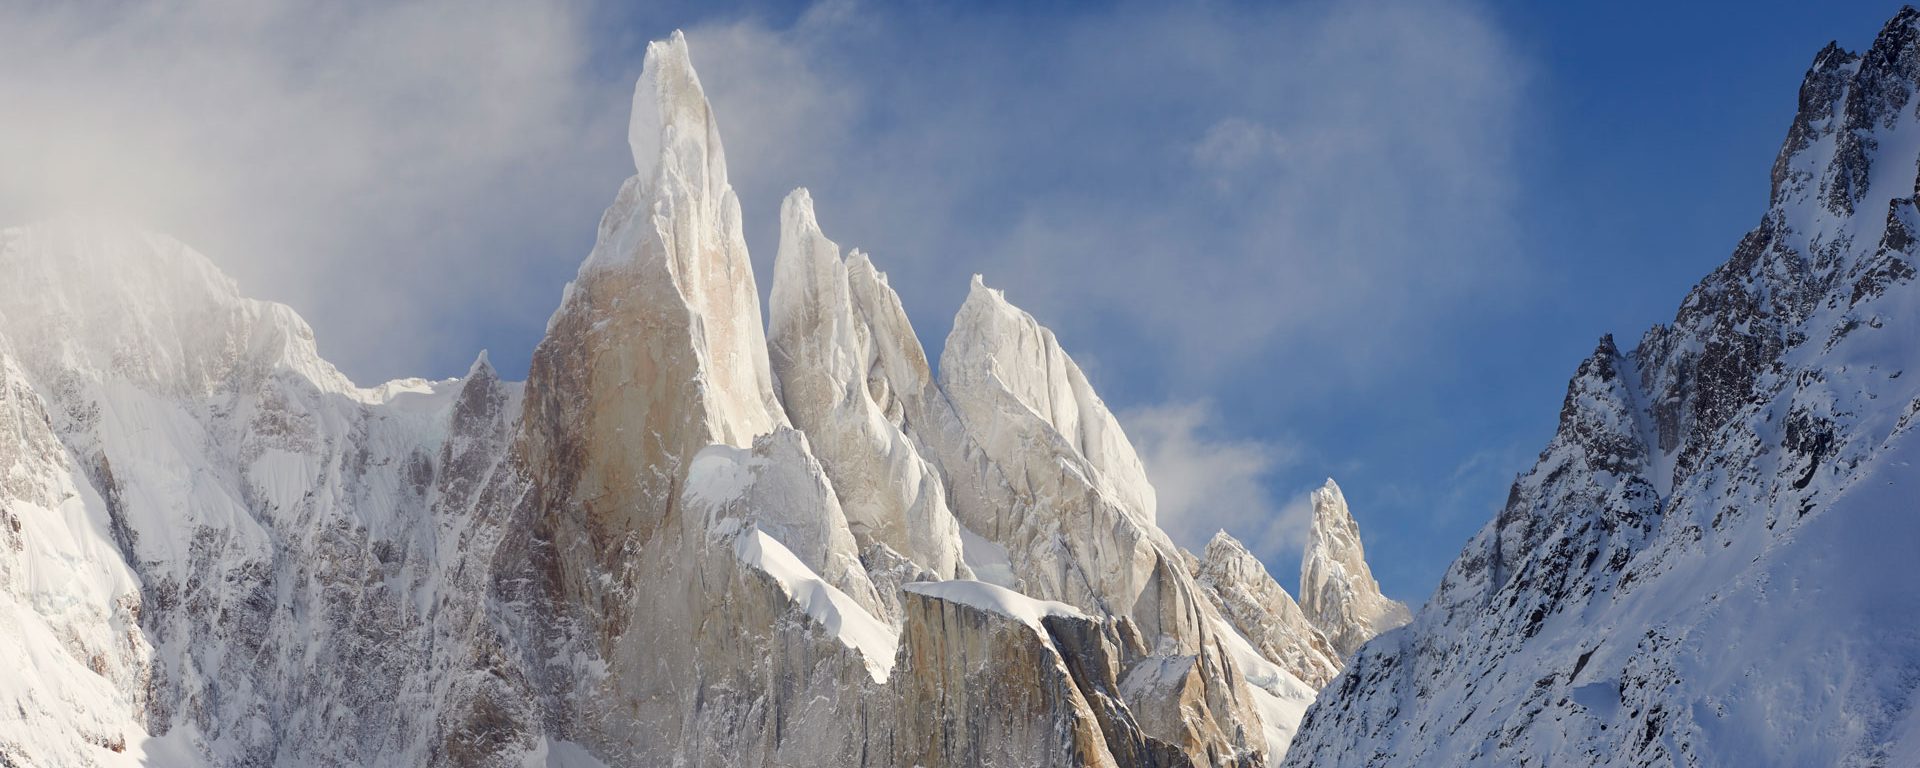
(694, 536)
(1712, 562)
(698, 535)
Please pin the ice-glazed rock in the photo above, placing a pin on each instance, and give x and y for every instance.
(1264, 613)
(1337, 588)
(1071, 509)
(778, 488)
(835, 351)
(998, 359)
(1055, 509)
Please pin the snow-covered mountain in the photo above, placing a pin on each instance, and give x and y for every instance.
(694, 536)
(1712, 562)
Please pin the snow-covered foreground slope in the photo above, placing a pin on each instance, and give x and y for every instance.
(685, 540)
(1712, 562)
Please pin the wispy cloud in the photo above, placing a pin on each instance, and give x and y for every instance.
(1208, 481)
(397, 171)
(1237, 148)
(1219, 189)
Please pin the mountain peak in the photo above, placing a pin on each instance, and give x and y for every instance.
(672, 124)
(977, 287)
(1329, 504)
(796, 211)
(481, 366)
(997, 350)
(1337, 588)
(1629, 588)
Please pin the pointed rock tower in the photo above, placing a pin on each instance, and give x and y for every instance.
(1263, 611)
(676, 521)
(838, 352)
(1337, 589)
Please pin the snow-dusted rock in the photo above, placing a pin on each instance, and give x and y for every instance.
(216, 550)
(1337, 590)
(1073, 513)
(831, 352)
(274, 517)
(80, 673)
(1281, 697)
(999, 361)
(1710, 563)
(1264, 613)
(778, 488)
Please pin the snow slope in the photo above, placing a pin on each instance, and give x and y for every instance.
(1711, 563)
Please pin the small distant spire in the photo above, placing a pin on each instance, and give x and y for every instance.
(482, 367)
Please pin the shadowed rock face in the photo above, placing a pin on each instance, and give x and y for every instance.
(1700, 570)
(979, 673)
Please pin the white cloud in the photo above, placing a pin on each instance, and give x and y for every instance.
(1207, 482)
(394, 170)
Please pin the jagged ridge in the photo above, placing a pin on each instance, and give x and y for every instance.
(1708, 564)
(656, 550)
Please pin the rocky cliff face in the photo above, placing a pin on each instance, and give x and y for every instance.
(683, 541)
(1264, 613)
(1337, 589)
(834, 349)
(1708, 565)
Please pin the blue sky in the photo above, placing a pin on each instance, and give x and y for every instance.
(1368, 240)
